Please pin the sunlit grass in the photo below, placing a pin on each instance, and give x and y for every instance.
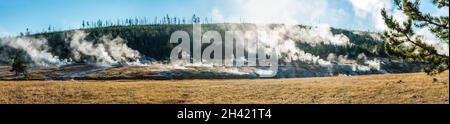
(389, 88)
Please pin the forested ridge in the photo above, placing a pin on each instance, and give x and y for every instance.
(153, 40)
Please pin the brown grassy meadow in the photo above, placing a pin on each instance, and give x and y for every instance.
(415, 88)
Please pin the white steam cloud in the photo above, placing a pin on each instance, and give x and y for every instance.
(103, 51)
(277, 11)
(288, 37)
(292, 12)
(36, 48)
(292, 53)
(431, 39)
(106, 50)
(370, 9)
(317, 35)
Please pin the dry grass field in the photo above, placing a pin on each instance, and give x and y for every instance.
(416, 88)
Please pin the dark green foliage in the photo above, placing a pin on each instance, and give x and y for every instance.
(153, 40)
(400, 34)
(19, 65)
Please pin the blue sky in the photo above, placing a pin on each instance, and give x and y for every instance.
(37, 15)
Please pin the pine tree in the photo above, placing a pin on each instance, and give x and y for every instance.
(28, 32)
(83, 24)
(19, 65)
(168, 19)
(401, 40)
(194, 19)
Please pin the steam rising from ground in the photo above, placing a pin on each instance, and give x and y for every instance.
(36, 48)
(103, 51)
(317, 35)
(295, 59)
(106, 50)
(286, 12)
(291, 35)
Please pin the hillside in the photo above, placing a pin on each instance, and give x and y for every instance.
(152, 40)
(304, 51)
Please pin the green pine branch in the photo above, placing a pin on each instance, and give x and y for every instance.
(402, 42)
